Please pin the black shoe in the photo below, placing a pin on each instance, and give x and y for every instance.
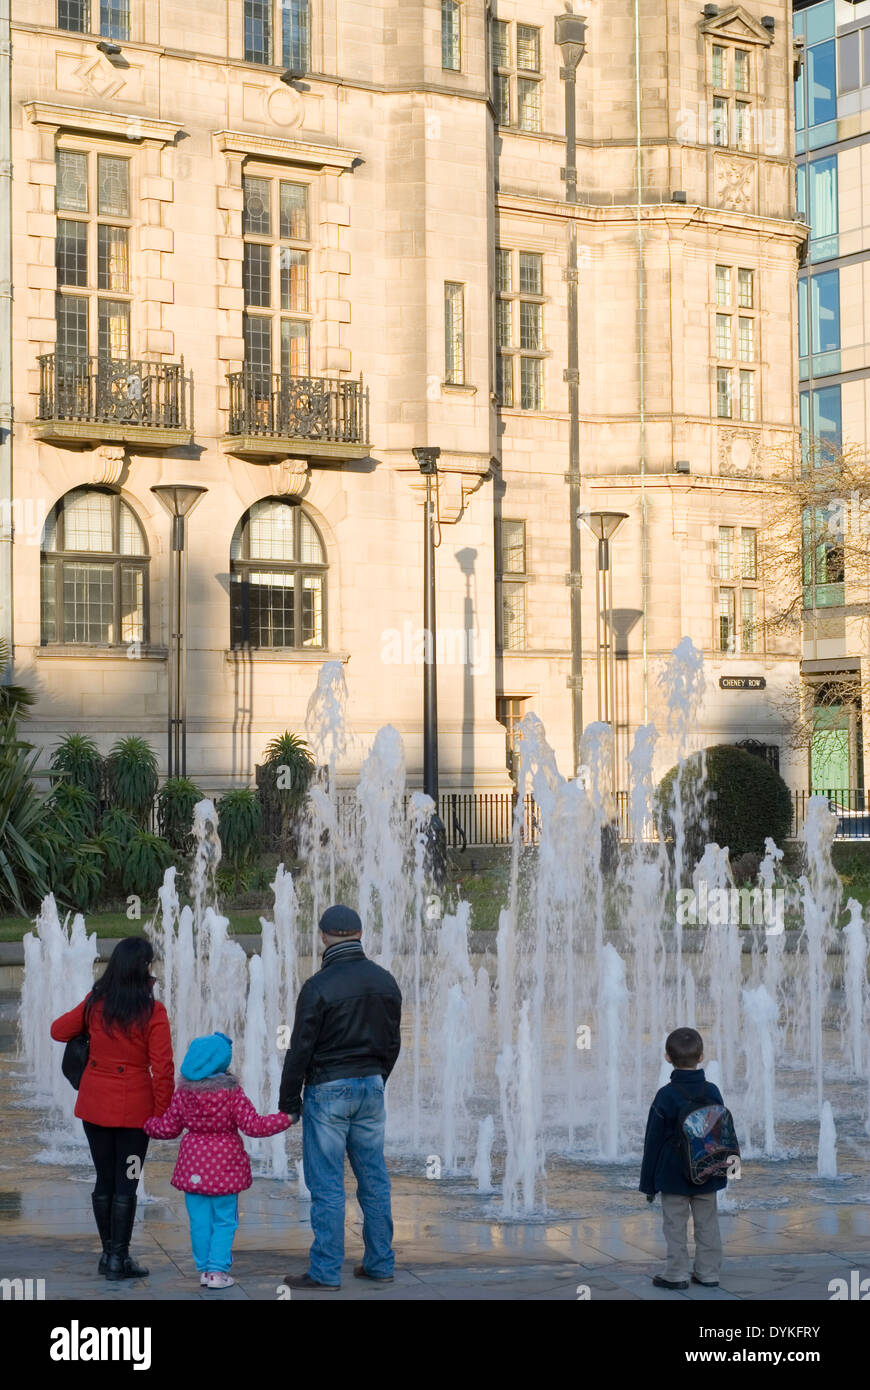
(705, 1283)
(661, 1283)
(102, 1205)
(119, 1264)
(305, 1281)
(360, 1272)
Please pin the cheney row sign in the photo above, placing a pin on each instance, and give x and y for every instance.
(742, 683)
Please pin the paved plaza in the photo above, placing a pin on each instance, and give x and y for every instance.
(789, 1236)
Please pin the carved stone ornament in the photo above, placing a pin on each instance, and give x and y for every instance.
(738, 454)
(289, 477)
(735, 184)
(108, 465)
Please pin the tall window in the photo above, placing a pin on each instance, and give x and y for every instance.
(819, 321)
(278, 31)
(277, 578)
(513, 582)
(736, 334)
(819, 205)
(277, 249)
(519, 328)
(738, 589)
(92, 252)
(454, 333)
(94, 572)
(733, 83)
(823, 562)
(515, 50)
(451, 51)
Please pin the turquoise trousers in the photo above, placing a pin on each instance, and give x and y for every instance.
(213, 1224)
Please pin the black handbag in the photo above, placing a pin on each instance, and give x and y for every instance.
(75, 1059)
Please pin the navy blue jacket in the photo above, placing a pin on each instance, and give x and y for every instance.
(662, 1168)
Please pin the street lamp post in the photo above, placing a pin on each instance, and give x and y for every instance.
(179, 499)
(604, 526)
(571, 39)
(436, 850)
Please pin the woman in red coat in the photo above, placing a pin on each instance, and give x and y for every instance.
(129, 1076)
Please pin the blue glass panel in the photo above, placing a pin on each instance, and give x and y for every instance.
(821, 83)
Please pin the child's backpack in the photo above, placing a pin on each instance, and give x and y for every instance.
(705, 1137)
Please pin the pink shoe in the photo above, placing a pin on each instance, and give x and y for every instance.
(219, 1280)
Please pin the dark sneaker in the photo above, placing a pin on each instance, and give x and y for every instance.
(705, 1283)
(661, 1283)
(360, 1272)
(304, 1281)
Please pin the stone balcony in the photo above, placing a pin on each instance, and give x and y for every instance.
(93, 400)
(273, 416)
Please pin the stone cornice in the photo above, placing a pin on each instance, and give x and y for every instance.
(126, 125)
(332, 159)
(529, 206)
(685, 482)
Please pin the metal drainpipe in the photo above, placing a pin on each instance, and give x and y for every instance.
(641, 332)
(6, 420)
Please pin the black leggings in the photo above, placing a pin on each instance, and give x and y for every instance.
(112, 1150)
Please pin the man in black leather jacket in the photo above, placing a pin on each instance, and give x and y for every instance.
(346, 1038)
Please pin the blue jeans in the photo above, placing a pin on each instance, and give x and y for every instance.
(213, 1224)
(338, 1117)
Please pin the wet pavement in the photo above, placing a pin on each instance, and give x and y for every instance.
(788, 1237)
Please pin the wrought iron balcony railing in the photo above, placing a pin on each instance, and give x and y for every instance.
(321, 411)
(114, 396)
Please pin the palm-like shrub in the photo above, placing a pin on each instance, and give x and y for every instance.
(283, 780)
(239, 820)
(175, 802)
(75, 809)
(15, 700)
(23, 864)
(77, 760)
(146, 860)
(131, 777)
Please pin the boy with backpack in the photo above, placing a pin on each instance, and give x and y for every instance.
(689, 1150)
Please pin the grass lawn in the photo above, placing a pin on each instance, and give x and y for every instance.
(114, 924)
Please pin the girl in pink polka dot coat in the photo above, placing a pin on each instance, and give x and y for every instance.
(212, 1166)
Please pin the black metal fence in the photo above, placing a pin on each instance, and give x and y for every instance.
(320, 409)
(100, 391)
(850, 806)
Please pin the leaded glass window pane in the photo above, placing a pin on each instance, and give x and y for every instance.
(504, 380)
(295, 35)
(72, 326)
(745, 289)
(741, 69)
(504, 322)
(258, 347)
(528, 48)
(531, 383)
(529, 103)
(87, 522)
(256, 207)
(115, 19)
(501, 95)
(72, 181)
(113, 329)
(749, 553)
(294, 210)
(513, 547)
(294, 279)
(454, 333)
(113, 186)
(312, 610)
(723, 393)
(48, 606)
(726, 552)
(726, 620)
(312, 550)
(501, 43)
(71, 252)
(514, 616)
(272, 604)
(132, 541)
(746, 339)
(113, 262)
(132, 604)
(723, 335)
(531, 273)
(271, 531)
(258, 31)
(503, 279)
(88, 603)
(257, 274)
(723, 286)
(74, 15)
(294, 348)
(531, 332)
(748, 616)
(450, 51)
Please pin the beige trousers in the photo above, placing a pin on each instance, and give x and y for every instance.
(708, 1242)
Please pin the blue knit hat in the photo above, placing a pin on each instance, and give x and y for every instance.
(207, 1056)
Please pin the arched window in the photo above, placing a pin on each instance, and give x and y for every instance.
(94, 571)
(278, 578)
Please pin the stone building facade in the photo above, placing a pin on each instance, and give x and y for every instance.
(269, 247)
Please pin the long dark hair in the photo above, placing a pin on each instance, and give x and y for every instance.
(126, 987)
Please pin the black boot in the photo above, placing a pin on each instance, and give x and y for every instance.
(102, 1204)
(120, 1265)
